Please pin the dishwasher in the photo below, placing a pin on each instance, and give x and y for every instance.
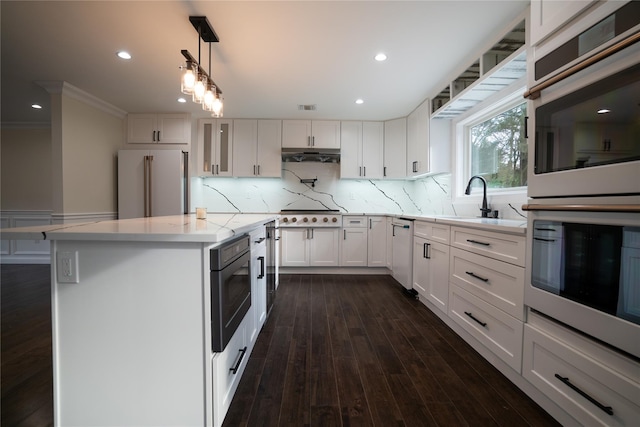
(402, 243)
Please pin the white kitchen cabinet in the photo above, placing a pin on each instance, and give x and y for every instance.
(362, 150)
(547, 16)
(431, 262)
(501, 246)
(304, 247)
(257, 148)
(311, 134)
(353, 244)
(377, 241)
(215, 147)
(258, 313)
(591, 382)
(395, 148)
(495, 329)
(418, 141)
(159, 128)
(227, 368)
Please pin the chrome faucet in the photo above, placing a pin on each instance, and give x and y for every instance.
(484, 209)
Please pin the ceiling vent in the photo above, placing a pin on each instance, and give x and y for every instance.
(307, 107)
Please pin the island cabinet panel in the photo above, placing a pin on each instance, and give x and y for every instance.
(132, 339)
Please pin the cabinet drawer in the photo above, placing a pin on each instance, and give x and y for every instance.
(225, 375)
(349, 221)
(498, 283)
(501, 246)
(432, 231)
(498, 331)
(558, 370)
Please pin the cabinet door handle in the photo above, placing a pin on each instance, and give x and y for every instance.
(243, 351)
(258, 169)
(565, 380)
(364, 168)
(360, 171)
(309, 141)
(370, 224)
(261, 259)
(158, 136)
(478, 242)
(483, 324)
(217, 169)
(415, 166)
(313, 141)
(526, 127)
(153, 137)
(254, 169)
(426, 251)
(345, 235)
(472, 274)
(384, 171)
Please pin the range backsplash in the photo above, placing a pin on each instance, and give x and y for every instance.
(426, 196)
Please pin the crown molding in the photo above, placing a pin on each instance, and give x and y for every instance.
(67, 89)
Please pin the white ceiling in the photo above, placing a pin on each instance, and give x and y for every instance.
(271, 56)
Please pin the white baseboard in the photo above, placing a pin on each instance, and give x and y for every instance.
(334, 270)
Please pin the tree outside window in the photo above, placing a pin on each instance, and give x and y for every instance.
(499, 149)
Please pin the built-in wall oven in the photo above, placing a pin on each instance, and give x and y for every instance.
(583, 240)
(584, 269)
(586, 101)
(230, 289)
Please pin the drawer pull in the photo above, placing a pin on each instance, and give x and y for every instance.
(607, 409)
(545, 229)
(483, 324)
(470, 273)
(478, 242)
(540, 239)
(242, 353)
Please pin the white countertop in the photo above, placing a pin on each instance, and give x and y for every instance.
(178, 228)
(515, 226)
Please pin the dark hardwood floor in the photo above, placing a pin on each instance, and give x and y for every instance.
(335, 351)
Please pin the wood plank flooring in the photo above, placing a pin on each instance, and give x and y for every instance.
(354, 351)
(335, 351)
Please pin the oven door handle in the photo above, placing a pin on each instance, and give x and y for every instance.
(261, 259)
(242, 351)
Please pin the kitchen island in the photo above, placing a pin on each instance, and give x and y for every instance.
(132, 319)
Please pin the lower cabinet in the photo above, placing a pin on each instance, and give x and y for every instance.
(593, 384)
(431, 271)
(305, 247)
(377, 241)
(494, 328)
(227, 368)
(353, 252)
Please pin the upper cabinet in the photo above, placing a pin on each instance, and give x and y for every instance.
(395, 148)
(256, 148)
(547, 16)
(215, 149)
(362, 149)
(159, 128)
(311, 134)
(502, 64)
(418, 141)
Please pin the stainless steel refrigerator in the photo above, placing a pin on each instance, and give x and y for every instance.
(152, 183)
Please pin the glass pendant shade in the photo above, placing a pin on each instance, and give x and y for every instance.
(209, 98)
(199, 89)
(217, 108)
(188, 78)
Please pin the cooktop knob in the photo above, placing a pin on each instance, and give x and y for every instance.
(314, 219)
(334, 219)
(294, 219)
(285, 219)
(325, 219)
(305, 219)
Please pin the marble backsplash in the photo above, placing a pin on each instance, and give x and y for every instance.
(426, 196)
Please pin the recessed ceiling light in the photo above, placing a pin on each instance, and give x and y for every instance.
(604, 111)
(123, 54)
(359, 101)
(182, 100)
(36, 106)
(380, 57)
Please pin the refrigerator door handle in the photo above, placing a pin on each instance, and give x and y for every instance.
(150, 200)
(145, 185)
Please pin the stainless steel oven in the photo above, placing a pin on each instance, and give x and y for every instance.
(586, 103)
(584, 268)
(230, 289)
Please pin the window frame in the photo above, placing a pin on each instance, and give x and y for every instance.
(503, 101)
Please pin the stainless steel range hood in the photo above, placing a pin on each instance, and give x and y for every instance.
(322, 155)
